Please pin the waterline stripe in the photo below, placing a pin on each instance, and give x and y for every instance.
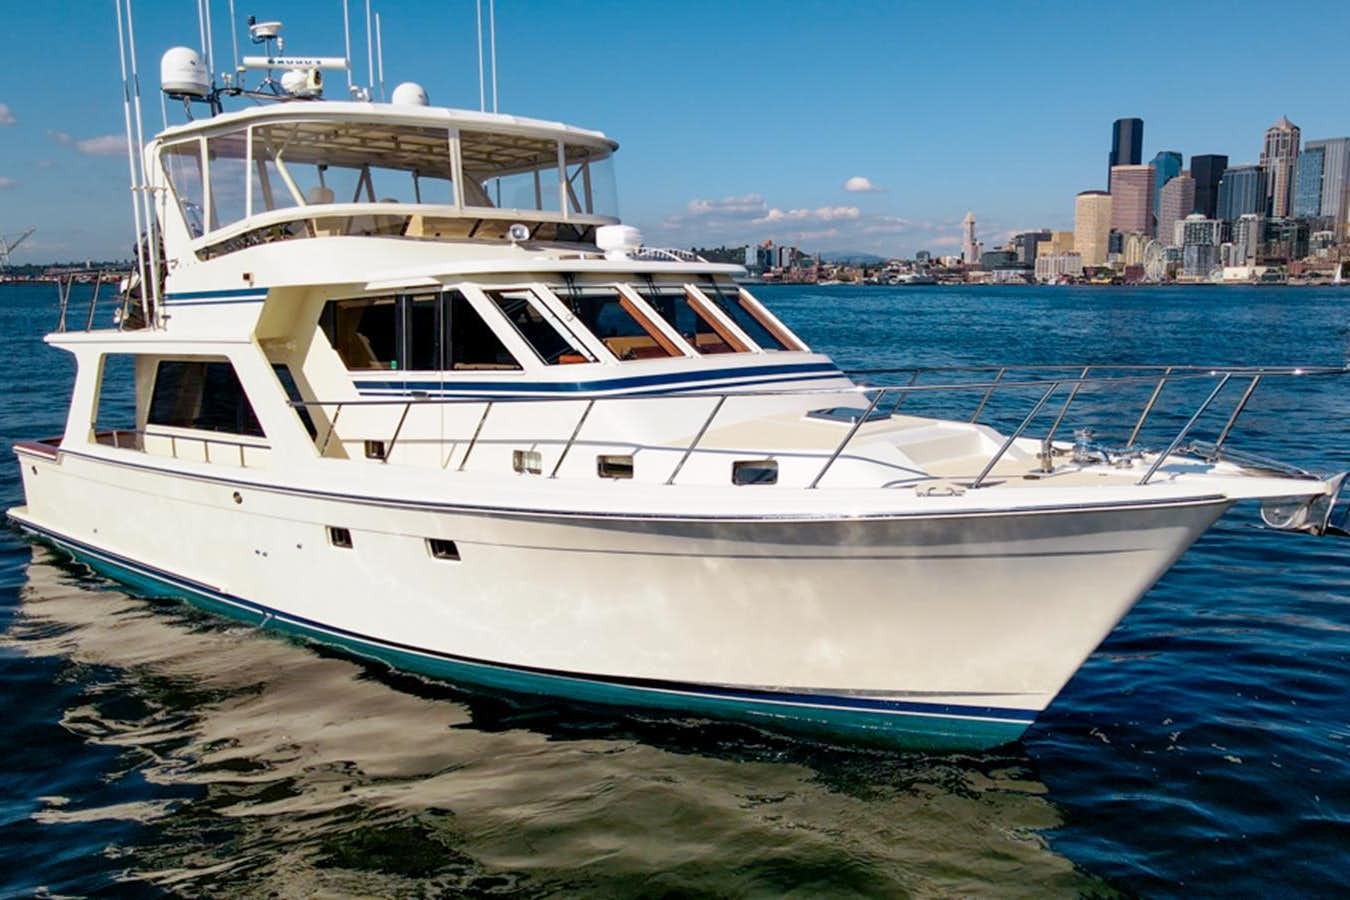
(816, 701)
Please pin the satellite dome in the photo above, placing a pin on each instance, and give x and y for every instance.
(409, 93)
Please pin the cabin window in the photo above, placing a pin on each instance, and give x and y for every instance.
(618, 322)
(183, 166)
(754, 471)
(472, 344)
(696, 325)
(550, 340)
(116, 410)
(364, 332)
(340, 537)
(422, 333)
(614, 466)
(527, 462)
(227, 174)
(203, 395)
(727, 297)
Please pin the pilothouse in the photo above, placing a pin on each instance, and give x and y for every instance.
(404, 384)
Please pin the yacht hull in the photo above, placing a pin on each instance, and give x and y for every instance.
(920, 631)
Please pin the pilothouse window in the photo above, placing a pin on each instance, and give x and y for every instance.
(730, 300)
(623, 327)
(547, 338)
(364, 332)
(695, 325)
(423, 333)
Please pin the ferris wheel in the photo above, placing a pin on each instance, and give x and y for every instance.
(1155, 261)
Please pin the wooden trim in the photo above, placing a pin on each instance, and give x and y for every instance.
(710, 316)
(48, 447)
(657, 334)
(771, 324)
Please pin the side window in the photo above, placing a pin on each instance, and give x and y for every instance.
(553, 347)
(472, 344)
(673, 305)
(183, 165)
(618, 322)
(201, 395)
(422, 321)
(364, 332)
(227, 170)
(727, 298)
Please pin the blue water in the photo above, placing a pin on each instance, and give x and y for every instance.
(1205, 748)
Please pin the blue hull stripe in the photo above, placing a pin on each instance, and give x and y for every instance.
(910, 723)
(815, 370)
(216, 298)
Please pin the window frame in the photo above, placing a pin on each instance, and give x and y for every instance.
(235, 436)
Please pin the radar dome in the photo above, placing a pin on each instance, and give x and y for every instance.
(409, 93)
(182, 73)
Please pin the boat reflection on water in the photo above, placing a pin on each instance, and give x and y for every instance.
(241, 762)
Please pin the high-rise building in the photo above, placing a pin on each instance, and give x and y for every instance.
(1278, 158)
(1025, 244)
(1178, 202)
(1307, 202)
(1200, 239)
(1207, 169)
(970, 249)
(1166, 166)
(1334, 203)
(1127, 145)
(1247, 234)
(1242, 190)
(1092, 226)
(1059, 242)
(1132, 199)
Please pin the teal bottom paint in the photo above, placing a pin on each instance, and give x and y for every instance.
(902, 730)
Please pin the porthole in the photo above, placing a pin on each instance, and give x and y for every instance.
(237, 497)
(754, 471)
(340, 537)
(609, 466)
(527, 462)
(439, 548)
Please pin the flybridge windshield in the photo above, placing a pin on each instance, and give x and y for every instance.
(227, 177)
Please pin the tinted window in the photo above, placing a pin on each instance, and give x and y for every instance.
(423, 353)
(617, 322)
(553, 348)
(293, 394)
(473, 345)
(202, 395)
(673, 305)
(727, 297)
(364, 332)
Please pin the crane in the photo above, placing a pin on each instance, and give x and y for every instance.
(8, 246)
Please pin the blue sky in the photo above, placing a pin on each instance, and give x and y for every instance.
(738, 120)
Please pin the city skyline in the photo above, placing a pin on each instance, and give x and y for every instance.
(824, 134)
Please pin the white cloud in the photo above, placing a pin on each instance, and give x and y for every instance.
(6, 183)
(6, 115)
(103, 145)
(822, 214)
(862, 184)
(727, 206)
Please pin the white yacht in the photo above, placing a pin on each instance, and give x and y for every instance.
(404, 385)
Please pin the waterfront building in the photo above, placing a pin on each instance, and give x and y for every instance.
(1242, 191)
(1166, 166)
(1052, 266)
(1200, 240)
(1278, 158)
(1092, 226)
(1127, 145)
(1207, 169)
(1247, 236)
(1059, 242)
(1283, 240)
(1132, 198)
(1133, 247)
(1025, 245)
(1178, 202)
(1334, 203)
(970, 251)
(993, 259)
(923, 257)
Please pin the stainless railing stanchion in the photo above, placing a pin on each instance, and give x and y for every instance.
(575, 431)
(1237, 411)
(979, 479)
(474, 440)
(1181, 435)
(881, 392)
(975, 416)
(913, 380)
(93, 301)
(698, 437)
(332, 427)
(1050, 435)
(398, 429)
(1148, 407)
(63, 294)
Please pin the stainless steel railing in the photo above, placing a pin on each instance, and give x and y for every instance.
(1006, 378)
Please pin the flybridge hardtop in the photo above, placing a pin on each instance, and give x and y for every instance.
(397, 380)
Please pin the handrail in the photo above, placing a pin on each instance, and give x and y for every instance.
(1012, 438)
(1181, 435)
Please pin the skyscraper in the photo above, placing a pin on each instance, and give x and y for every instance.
(1166, 166)
(1307, 202)
(1092, 226)
(1334, 203)
(1207, 170)
(1127, 145)
(1132, 199)
(1242, 190)
(1278, 158)
(970, 248)
(1178, 202)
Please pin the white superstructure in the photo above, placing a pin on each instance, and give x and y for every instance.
(403, 384)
